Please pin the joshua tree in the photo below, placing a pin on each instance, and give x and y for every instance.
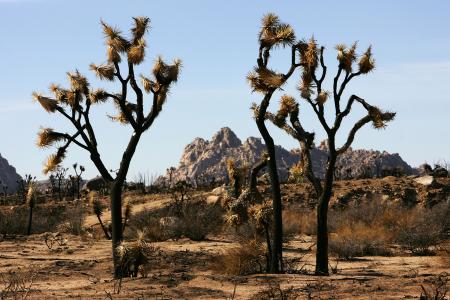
(24, 184)
(60, 175)
(30, 202)
(77, 177)
(97, 208)
(52, 180)
(265, 81)
(75, 105)
(171, 171)
(308, 56)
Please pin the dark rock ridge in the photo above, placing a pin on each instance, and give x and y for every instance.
(8, 176)
(208, 158)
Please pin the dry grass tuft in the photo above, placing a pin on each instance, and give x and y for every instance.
(247, 258)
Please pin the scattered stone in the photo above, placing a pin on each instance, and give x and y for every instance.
(427, 180)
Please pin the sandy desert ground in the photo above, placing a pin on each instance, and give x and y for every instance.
(80, 267)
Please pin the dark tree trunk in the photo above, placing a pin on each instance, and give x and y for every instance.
(59, 190)
(30, 218)
(269, 247)
(254, 174)
(105, 231)
(236, 186)
(116, 200)
(276, 264)
(116, 222)
(322, 215)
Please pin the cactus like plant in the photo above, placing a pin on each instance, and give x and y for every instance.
(30, 203)
(76, 102)
(308, 56)
(97, 209)
(265, 81)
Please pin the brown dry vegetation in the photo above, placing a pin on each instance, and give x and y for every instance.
(381, 248)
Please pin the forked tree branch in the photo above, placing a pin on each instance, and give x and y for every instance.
(139, 95)
(351, 136)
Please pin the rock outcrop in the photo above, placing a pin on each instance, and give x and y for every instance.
(203, 158)
(8, 177)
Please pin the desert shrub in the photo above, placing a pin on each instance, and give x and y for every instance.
(247, 258)
(136, 257)
(75, 218)
(296, 222)
(17, 283)
(195, 220)
(198, 219)
(273, 291)
(149, 222)
(359, 239)
(436, 289)
(419, 232)
(13, 221)
(45, 218)
(367, 228)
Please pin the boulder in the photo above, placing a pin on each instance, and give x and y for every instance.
(95, 184)
(427, 180)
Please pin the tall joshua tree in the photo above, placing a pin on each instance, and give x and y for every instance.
(308, 57)
(75, 104)
(265, 81)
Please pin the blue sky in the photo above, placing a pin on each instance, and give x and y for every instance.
(217, 41)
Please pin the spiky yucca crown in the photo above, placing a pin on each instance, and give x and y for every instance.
(54, 160)
(135, 249)
(380, 118)
(48, 137)
(31, 193)
(287, 106)
(366, 62)
(297, 170)
(104, 72)
(263, 79)
(274, 33)
(261, 214)
(347, 56)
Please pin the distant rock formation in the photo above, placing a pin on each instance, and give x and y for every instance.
(8, 176)
(203, 158)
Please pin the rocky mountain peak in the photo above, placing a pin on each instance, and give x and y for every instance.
(226, 138)
(8, 176)
(202, 158)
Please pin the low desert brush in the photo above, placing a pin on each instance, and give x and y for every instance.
(247, 258)
(358, 239)
(135, 257)
(436, 289)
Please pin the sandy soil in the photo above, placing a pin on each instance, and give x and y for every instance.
(81, 268)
